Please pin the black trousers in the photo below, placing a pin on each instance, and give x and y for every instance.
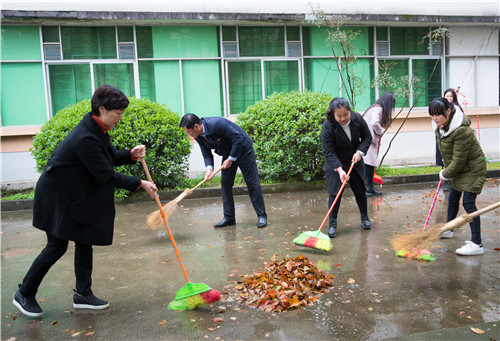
(357, 184)
(246, 162)
(52, 252)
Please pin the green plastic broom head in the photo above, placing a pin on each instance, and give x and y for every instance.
(314, 239)
(191, 289)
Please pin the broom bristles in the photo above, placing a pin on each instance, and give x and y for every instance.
(155, 220)
(314, 239)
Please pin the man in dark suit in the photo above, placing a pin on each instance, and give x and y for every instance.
(345, 138)
(74, 199)
(235, 146)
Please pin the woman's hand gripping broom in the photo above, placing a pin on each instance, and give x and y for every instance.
(155, 219)
(192, 295)
(317, 239)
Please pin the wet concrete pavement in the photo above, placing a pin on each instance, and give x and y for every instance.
(376, 295)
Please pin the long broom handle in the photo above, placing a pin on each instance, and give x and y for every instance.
(464, 218)
(337, 197)
(205, 180)
(432, 205)
(170, 235)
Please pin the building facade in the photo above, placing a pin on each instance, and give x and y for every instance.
(217, 58)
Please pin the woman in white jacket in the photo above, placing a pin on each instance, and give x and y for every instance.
(378, 117)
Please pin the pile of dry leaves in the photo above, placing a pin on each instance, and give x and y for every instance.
(284, 285)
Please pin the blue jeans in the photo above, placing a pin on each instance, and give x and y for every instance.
(469, 204)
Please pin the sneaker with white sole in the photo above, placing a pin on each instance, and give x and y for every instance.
(447, 234)
(88, 302)
(27, 305)
(470, 249)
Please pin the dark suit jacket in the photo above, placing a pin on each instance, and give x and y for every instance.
(338, 150)
(74, 197)
(225, 137)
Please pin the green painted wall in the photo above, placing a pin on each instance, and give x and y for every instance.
(202, 87)
(184, 42)
(20, 43)
(22, 95)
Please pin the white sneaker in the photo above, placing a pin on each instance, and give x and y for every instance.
(470, 249)
(447, 234)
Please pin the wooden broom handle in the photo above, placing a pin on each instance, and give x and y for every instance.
(466, 217)
(163, 215)
(205, 180)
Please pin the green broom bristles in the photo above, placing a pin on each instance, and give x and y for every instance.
(314, 239)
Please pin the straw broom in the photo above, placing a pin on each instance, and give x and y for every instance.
(155, 220)
(426, 238)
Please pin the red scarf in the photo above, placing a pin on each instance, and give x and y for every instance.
(101, 125)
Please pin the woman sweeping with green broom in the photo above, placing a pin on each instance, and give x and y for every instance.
(345, 139)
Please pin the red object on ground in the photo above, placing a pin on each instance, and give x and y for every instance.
(378, 179)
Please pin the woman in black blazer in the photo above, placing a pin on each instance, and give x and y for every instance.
(74, 199)
(345, 138)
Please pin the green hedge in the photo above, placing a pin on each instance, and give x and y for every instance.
(144, 122)
(285, 129)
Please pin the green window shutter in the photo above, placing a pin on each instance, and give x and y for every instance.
(69, 84)
(399, 68)
(261, 41)
(20, 43)
(185, 42)
(88, 42)
(119, 75)
(22, 97)
(245, 85)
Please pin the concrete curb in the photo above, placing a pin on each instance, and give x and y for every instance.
(18, 205)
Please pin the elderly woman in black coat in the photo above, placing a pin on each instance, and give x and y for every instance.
(345, 138)
(74, 199)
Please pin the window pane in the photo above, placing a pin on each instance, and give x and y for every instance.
(22, 99)
(50, 34)
(281, 76)
(382, 34)
(422, 69)
(125, 34)
(261, 41)
(69, 84)
(88, 42)
(292, 33)
(398, 68)
(144, 42)
(202, 95)
(322, 75)
(185, 42)
(245, 85)
(229, 33)
(118, 75)
(147, 80)
(168, 88)
(409, 41)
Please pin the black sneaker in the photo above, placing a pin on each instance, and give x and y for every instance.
(88, 302)
(27, 305)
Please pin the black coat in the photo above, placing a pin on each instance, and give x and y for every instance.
(225, 137)
(74, 197)
(338, 150)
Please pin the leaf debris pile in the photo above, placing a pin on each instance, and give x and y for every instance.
(284, 285)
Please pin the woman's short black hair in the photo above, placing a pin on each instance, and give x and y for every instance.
(109, 97)
(336, 103)
(439, 106)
